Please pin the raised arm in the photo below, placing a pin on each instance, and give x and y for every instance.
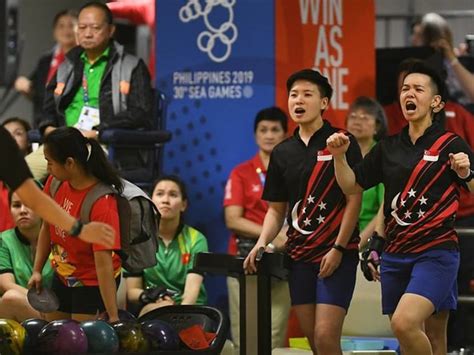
(338, 143)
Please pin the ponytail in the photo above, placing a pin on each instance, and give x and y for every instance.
(68, 142)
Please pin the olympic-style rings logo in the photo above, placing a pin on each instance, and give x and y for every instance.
(226, 32)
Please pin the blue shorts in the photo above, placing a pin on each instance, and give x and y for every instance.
(431, 274)
(337, 289)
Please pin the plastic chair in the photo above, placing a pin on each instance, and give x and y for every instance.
(137, 153)
(181, 317)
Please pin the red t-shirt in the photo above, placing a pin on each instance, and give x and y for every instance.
(6, 220)
(72, 258)
(244, 188)
(459, 121)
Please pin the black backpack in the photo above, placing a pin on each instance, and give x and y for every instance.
(139, 219)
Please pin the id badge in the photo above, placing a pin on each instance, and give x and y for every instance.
(89, 117)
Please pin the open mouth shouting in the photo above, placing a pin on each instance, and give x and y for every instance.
(410, 107)
(299, 111)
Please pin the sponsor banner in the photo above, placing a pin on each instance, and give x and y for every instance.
(335, 37)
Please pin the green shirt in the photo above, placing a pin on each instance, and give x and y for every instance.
(94, 73)
(372, 199)
(16, 258)
(175, 261)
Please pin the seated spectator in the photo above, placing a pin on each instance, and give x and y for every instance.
(98, 86)
(244, 212)
(178, 246)
(367, 122)
(18, 129)
(17, 250)
(34, 86)
(435, 32)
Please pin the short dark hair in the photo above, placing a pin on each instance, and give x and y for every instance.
(421, 67)
(314, 77)
(273, 113)
(65, 12)
(177, 180)
(19, 120)
(98, 5)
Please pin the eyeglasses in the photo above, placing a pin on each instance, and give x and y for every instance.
(363, 117)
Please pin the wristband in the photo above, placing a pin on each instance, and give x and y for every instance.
(76, 228)
(144, 299)
(468, 177)
(339, 247)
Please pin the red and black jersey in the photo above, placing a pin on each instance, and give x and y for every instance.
(304, 177)
(421, 190)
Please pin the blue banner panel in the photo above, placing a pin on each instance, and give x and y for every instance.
(215, 63)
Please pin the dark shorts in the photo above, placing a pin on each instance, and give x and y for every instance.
(337, 289)
(431, 274)
(81, 300)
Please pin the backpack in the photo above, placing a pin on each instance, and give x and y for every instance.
(139, 220)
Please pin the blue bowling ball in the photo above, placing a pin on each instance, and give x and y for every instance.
(160, 334)
(32, 326)
(101, 337)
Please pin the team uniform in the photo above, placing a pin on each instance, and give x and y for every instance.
(458, 120)
(244, 188)
(421, 201)
(174, 262)
(72, 259)
(16, 258)
(304, 177)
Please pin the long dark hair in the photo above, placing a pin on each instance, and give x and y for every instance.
(68, 142)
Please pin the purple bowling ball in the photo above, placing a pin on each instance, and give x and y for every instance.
(161, 335)
(62, 337)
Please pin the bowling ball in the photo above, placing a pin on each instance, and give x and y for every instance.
(123, 315)
(32, 326)
(62, 336)
(12, 337)
(161, 335)
(101, 337)
(131, 337)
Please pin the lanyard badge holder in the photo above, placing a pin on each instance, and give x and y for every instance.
(89, 116)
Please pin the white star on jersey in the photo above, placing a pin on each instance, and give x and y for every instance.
(423, 200)
(307, 222)
(407, 214)
(322, 205)
(310, 199)
(411, 193)
(320, 219)
(420, 213)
